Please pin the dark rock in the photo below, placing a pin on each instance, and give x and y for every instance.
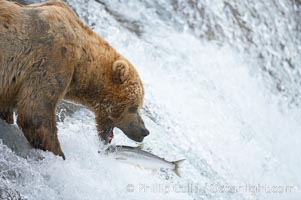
(13, 137)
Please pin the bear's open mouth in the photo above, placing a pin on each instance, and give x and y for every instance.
(108, 136)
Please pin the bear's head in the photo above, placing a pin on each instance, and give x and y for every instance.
(121, 104)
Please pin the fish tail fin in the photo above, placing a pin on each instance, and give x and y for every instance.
(178, 164)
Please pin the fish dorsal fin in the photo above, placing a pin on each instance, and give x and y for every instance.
(140, 146)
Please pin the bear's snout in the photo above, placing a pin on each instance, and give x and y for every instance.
(136, 133)
(144, 132)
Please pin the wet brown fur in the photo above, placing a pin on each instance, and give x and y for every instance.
(47, 54)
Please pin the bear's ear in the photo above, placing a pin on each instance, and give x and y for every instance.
(120, 71)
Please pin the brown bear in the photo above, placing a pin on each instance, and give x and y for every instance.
(47, 54)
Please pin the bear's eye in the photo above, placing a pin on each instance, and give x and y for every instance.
(133, 109)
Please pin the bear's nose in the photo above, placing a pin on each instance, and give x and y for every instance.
(144, 132)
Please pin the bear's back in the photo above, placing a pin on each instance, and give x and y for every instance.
(32, 35)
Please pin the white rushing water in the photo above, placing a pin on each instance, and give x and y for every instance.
(208, 100)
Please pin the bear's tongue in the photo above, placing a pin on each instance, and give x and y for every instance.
(110, 136)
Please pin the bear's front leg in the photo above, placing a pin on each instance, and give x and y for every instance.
(38, 97)
(40, 130)
(36, 113)
(7, 116)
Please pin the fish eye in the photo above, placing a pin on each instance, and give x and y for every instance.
(133, 109)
